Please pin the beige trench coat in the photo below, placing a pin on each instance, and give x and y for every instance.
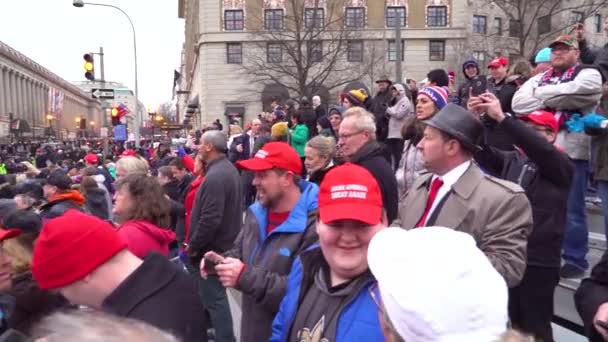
(495, 212)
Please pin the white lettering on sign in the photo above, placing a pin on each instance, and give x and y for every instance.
(261, 154)
(349, 191)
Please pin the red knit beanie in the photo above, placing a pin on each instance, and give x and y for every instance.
(72, 246)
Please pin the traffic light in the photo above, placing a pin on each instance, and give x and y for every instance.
(89, 67)
(115, 117)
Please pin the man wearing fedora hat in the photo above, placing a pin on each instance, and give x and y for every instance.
(456, 194)
(378, 105)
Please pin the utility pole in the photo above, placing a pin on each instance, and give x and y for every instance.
(104, 104)
(103, 78)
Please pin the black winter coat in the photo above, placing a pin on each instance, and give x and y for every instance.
(161, 294)
(57, 208)
(96, 203)
(592, 293)
(216, 216)
(545, 174)
(31, 303)
(378, 106)
(493, 134)
(375, 157)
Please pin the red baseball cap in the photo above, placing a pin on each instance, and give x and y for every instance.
(500, 61)
(6, 234)
(128, 153)
(274, 154)
(91, 158)
(542, 118)
(350, 192)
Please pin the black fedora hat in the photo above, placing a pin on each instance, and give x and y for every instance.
(459, 123)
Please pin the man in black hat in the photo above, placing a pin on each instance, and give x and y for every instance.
(456, 194)
(378, 106)
(60, 196)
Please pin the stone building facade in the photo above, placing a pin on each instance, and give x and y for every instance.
(31, 93)
(220, 36)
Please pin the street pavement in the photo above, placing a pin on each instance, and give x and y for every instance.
(564, 294)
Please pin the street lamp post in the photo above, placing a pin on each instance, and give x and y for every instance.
(81, 3)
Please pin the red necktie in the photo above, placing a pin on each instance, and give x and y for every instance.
(437, 183)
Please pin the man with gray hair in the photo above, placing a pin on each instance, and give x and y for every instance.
(357, 143)
(214, 224)
(96, 326)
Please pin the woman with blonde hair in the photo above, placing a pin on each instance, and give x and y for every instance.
(31, 303)
(319, 155)
(131, 165)
(519, 72)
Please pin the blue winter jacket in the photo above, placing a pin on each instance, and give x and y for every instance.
(269, 258)
(358, 321)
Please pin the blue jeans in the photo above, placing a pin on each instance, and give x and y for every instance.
(576, 239)
(602, 192)
(215, 301)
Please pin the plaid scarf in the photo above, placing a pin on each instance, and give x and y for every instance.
(552, 77)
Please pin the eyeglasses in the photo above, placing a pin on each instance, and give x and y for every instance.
(345, 136)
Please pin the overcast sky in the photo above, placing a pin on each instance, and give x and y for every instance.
(56, 34)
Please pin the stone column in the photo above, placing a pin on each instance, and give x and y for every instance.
(10, 90)
(3, 110)
(22, 99)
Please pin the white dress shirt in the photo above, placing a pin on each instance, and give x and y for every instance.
(449, 179)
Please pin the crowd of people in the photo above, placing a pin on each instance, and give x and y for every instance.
(426, 212)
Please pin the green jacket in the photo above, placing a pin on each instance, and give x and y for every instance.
(299, 138)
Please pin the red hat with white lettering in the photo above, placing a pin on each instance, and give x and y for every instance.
(350, 192)
(274, 154)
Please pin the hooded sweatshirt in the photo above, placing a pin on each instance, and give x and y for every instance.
(142, 237)
(397, 112)
(462, 93)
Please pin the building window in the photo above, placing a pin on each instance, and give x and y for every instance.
(394, 15)
(597, 23)
(314, 17)
(436, 16)
(315, 52)
(576, 17)
(498, 26)
(233, 20)
(544, 24)
(479, 24)
(274, 53)
(514, 28)
(392, 50)
(479, 56)
(437, 50)
(273, 19)
(355, 51)
(355, 17)
(234, 53)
